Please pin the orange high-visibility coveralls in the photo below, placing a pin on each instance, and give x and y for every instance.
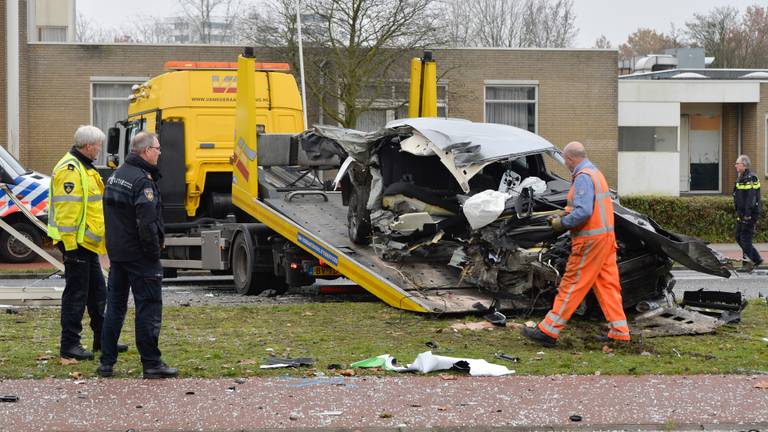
(592, 263)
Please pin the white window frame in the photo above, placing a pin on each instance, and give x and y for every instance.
(513, 83)
(94, 80)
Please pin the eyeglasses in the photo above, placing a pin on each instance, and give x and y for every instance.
(155, 147)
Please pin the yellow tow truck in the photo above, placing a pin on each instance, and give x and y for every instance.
(256, 210)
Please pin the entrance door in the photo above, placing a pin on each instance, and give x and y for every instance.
(704, 152)
(685, 160)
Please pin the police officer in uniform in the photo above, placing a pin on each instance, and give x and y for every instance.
(746, 200)
(135, 234)
(76, 225)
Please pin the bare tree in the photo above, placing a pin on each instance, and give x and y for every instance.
(510, 23)
(88, 31)
(549, 24)
(602, 42)
(714, 32)
(751, 41)
(644, 41)
(354, 46)
(146, 29)
(211, 21)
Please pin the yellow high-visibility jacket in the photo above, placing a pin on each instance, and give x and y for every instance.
(75, 209)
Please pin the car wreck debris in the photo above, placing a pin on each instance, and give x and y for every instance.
(673, 321)
(427, 362)
(471, 200)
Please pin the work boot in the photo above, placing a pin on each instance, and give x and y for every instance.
(611, 341)
(538, 336)
(77, 353)
(104, 371)
(159, 372)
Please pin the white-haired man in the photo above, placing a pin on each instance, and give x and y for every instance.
(76, 225)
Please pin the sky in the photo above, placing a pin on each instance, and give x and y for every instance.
(616, 19)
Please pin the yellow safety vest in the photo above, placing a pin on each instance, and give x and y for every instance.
(75, 209)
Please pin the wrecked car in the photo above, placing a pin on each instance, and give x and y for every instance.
(475, 197)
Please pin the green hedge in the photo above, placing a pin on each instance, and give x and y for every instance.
(710, 218)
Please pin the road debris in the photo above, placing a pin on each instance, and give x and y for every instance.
(480, 325)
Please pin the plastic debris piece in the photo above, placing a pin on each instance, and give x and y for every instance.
(330, 413)
(384, 361)
(507, 357)
(9, 398)
(473, 326)
(300, 361)
(575, 418)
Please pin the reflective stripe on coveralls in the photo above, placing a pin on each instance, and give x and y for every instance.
(592, 263)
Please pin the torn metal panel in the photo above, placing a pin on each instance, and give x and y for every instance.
(673, 321)
(688, 251)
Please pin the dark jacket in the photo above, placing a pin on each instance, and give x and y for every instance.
(746, 196)
(133, 212)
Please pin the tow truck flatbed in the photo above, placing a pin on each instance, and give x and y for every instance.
(319, 227)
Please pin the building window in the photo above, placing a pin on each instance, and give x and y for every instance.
(52, 33)
(513, 105)
(392, 104)
(109, 104)
(647, 139)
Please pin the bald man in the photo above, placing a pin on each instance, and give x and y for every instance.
(592, 263)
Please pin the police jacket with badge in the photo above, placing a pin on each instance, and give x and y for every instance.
(75, 215)
(746, 197)
(133, 212)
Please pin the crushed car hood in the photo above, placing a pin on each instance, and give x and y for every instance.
(464, 147)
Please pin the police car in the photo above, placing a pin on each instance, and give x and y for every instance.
(31, 189)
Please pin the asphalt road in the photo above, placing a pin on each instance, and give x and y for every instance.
(217, 290)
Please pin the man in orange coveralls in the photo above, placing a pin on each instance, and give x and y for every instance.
(589, 217)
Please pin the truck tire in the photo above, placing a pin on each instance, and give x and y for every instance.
(358, 219)
(246, 280)
(14, 251)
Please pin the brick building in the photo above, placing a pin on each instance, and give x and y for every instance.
(561, 94)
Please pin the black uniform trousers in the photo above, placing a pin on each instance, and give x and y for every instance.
(144, 278)
(84, 288)
(744, 232)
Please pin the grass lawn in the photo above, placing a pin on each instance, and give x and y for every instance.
(233, 341)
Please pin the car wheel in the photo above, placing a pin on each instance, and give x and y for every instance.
(13, 250)
(358, 220)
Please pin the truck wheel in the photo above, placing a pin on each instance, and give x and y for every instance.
(358, 220)
(14, 251)
(246, 280)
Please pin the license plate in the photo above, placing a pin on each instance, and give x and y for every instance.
(324, 271)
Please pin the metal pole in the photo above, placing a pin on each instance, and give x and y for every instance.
(301, 64)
